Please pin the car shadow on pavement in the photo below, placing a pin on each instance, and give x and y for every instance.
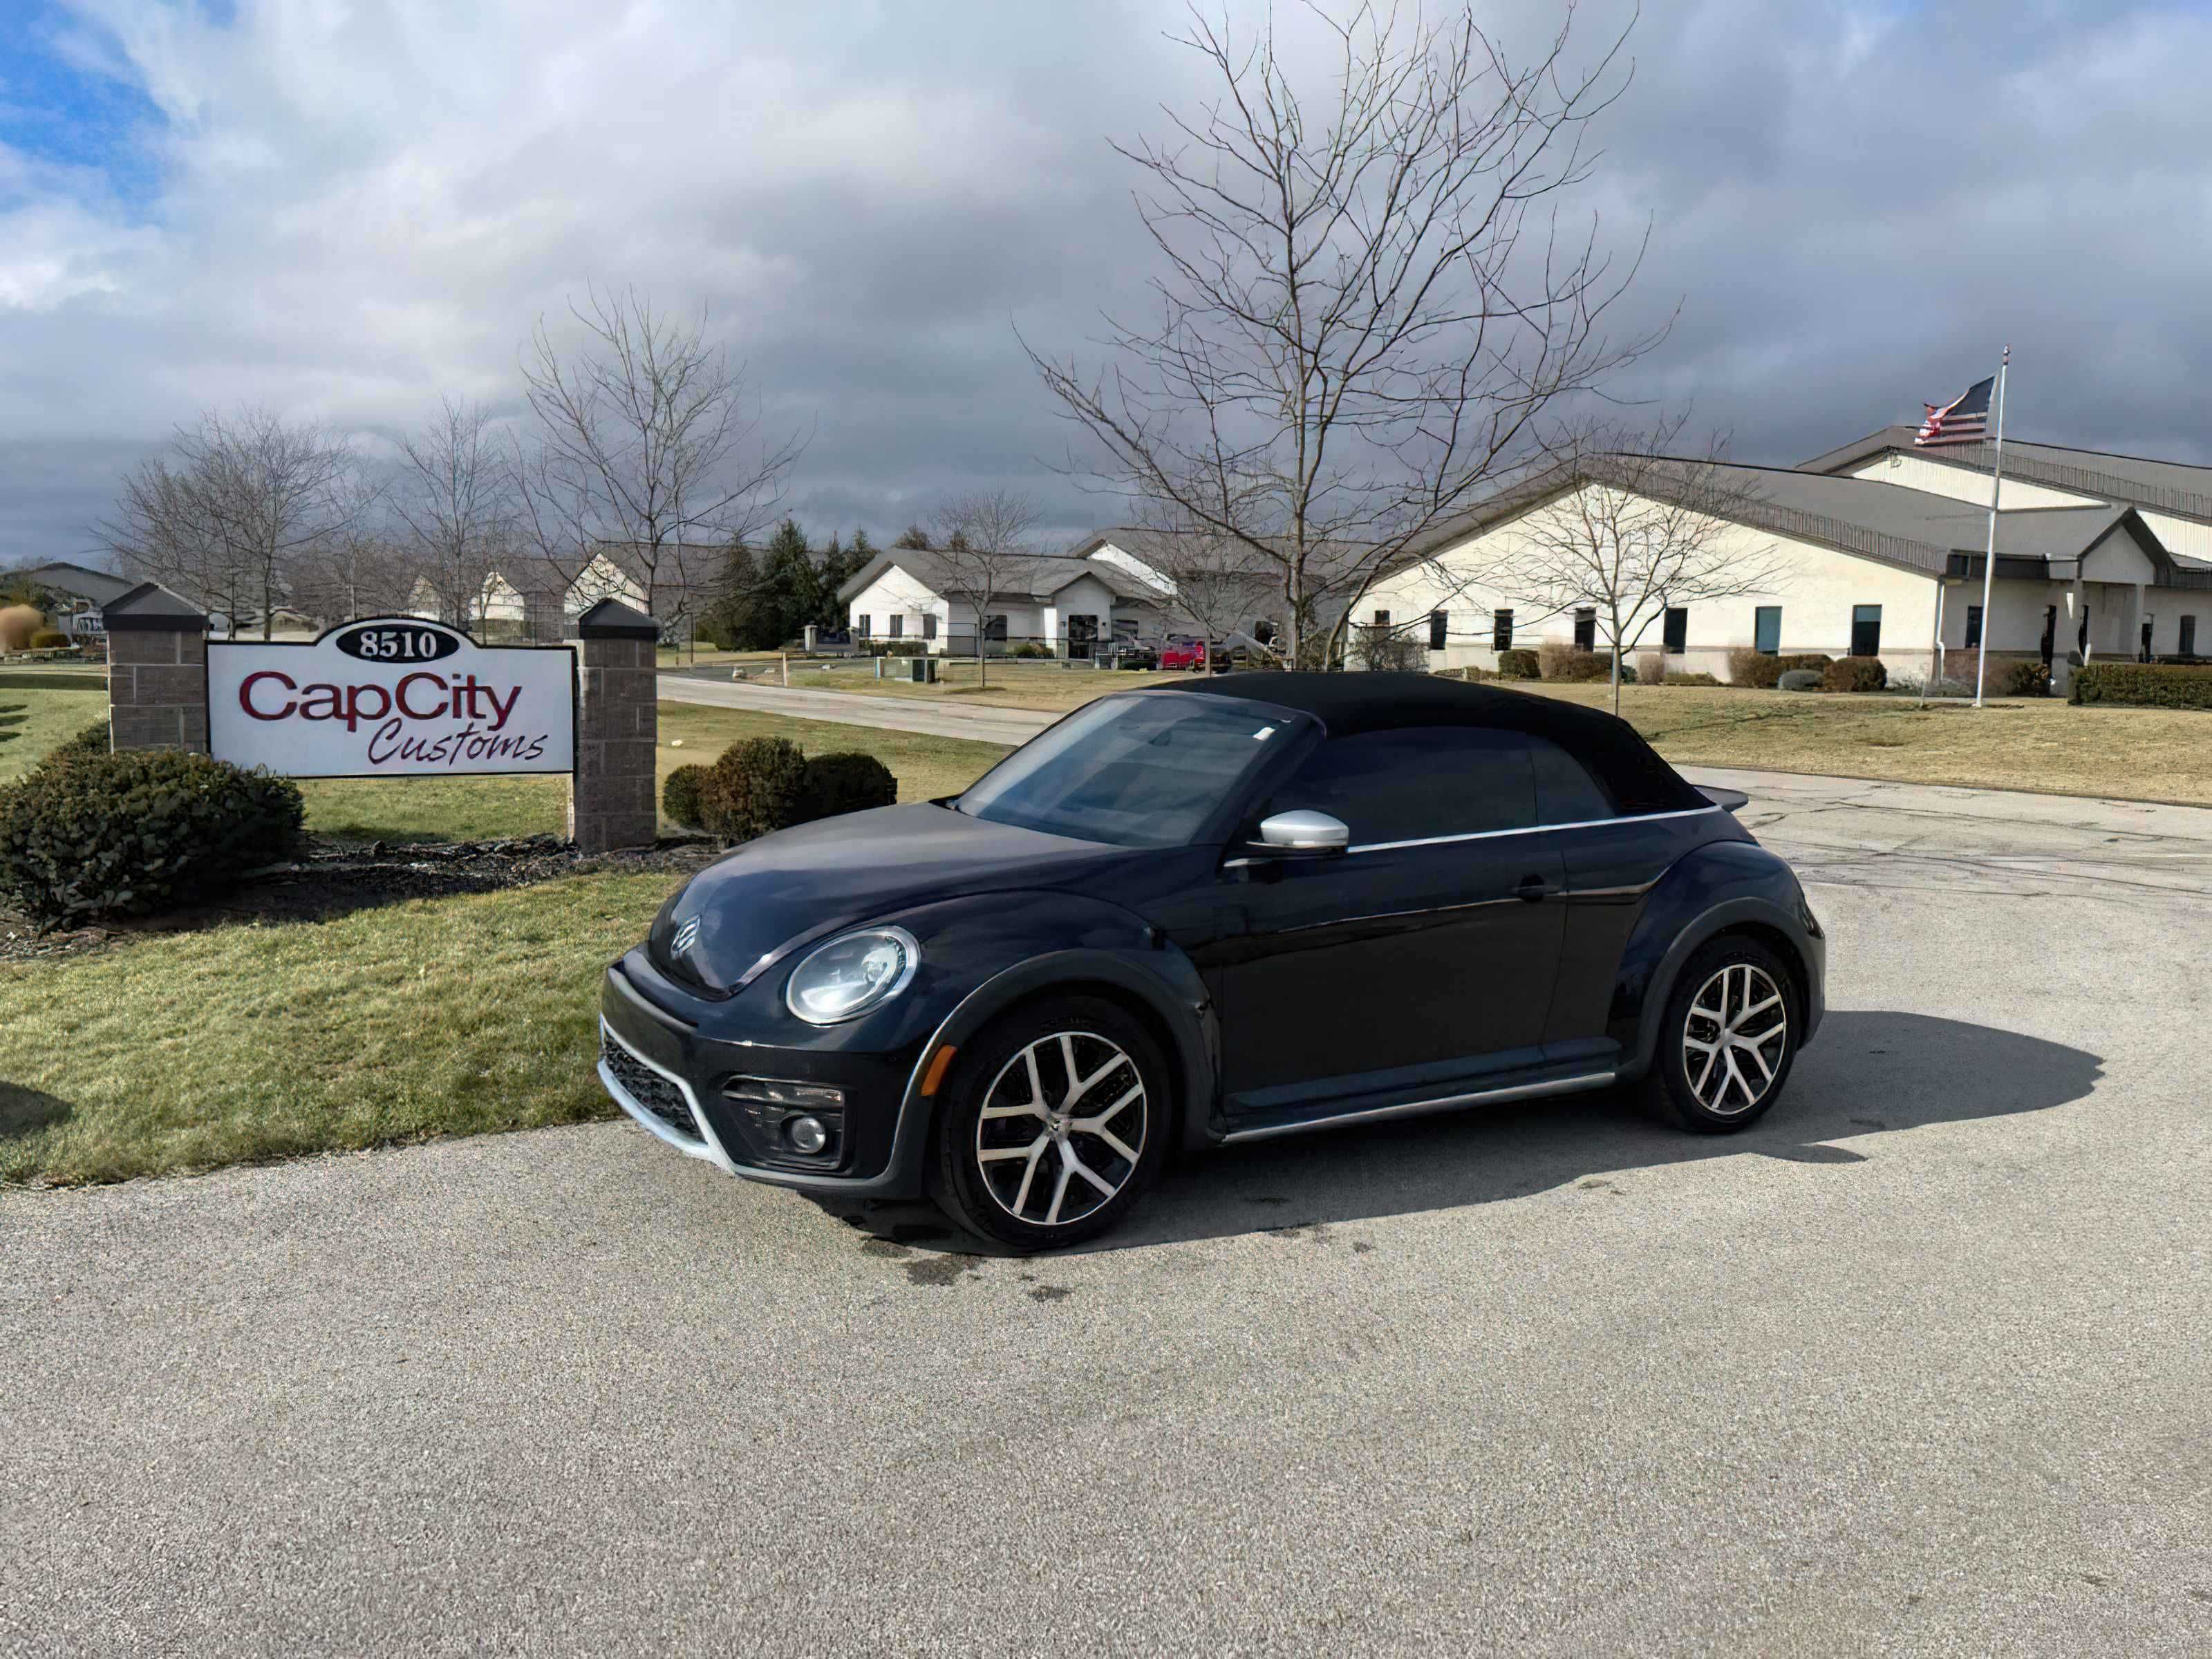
(1867, 1075)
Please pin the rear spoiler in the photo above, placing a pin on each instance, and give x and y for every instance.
(1730, 800)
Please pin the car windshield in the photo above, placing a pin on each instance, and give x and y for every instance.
(1139, 771)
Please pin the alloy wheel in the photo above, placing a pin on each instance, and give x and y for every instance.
(1735, 1039)
(1062, 1128)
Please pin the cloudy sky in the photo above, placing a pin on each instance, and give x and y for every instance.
(343, 209)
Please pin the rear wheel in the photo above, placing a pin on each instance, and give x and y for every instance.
(1055, 1124)
(1728, 1038)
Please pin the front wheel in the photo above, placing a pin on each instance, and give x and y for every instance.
(1727, 1039)
(1055, 1123)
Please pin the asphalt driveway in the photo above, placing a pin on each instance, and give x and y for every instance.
(1918, 1365)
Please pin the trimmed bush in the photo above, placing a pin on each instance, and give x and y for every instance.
(1750, 667)
(138, 833)
(2142, 686)
(835, 784)
(753, 789)
(682, 798)
(49, 638)
(1028, 650)
(1567, 663)
(1856, 674)
(2026, 679)
(1800, 679)
(1691, 680)
(92, 740)
(1519, 665)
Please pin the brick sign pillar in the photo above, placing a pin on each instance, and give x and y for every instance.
(156, 671)
(613, 800)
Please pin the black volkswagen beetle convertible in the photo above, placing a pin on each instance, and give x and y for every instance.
(1241, 907)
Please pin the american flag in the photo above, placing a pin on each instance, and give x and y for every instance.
(1964, 420)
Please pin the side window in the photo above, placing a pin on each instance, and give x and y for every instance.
(1676, 632)
(929, 624)
(1501, 630)
(860, 624)
(1439, 627)
(1586, 629)
(1417, 782)
(2189, 636)
(1381, 619)
(1566, 791)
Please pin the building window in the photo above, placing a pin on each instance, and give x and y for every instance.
(2189, 636)
(1677, 634)
(1437, 629)
(995, 628)
(1767, 630)
(1501, 630)
(1973, 626)
(1586, 629)
(929, 624)
(860, 625)
(1381, 619)
(899, 627)
(1866, 630)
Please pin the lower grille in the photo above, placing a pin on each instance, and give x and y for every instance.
(646, 1086)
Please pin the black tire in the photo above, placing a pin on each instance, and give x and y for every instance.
(1681, 1086)
(1046, 1201)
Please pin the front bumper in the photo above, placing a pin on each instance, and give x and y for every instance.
(679, 1065)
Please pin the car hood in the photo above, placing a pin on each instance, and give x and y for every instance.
(770, 896)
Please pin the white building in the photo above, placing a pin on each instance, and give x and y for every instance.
(2097, 555)
(1063, 604)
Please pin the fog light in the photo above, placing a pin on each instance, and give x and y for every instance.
(785, 1117)
(806, 1134)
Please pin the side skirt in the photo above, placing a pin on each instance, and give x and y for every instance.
(1327, 1118)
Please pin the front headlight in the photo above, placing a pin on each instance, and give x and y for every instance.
(852, 974)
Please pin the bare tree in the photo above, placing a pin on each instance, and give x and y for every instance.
(456, 502)
(239, 501)
(1220, 585)
(986, 549)
(643, 439)
(1368, 302)
(356, 572)
(1637, 533)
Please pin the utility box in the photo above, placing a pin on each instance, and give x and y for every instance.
(925, 670)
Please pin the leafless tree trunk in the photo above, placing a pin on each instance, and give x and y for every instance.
(1368, 299)
(643, 439)
(457, 504)
(227, 516)
(355, 573)
(1644, 531)
(986, 548)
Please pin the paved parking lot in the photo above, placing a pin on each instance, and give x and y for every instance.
(1919, 1365)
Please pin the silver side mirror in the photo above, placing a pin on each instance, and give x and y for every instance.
(1304, 833)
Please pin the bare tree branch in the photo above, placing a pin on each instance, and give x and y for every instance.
(1367, 304)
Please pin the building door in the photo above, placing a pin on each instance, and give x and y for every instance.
(2145, 657)
(1081, 635)
(1866, 630)
(2189, 636)
(2050, 633)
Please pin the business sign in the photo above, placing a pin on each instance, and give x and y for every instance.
(392, 697)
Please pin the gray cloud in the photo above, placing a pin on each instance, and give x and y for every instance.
(346, 213)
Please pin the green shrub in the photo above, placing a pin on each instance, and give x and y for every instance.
(1855, 674)
(1750, 667)
(2026, 679)
(138, 833)
(48, 639)
(1519, 665)
(845, 783)
(1028, 649)
(682, 797)
(92, 740)
(753, 789)
(2142, 686)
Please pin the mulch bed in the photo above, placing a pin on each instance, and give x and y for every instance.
(333, 878)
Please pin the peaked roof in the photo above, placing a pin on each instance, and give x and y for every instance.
(2180, 488)
(80, 582)
(1037, 578)
(1914, 530)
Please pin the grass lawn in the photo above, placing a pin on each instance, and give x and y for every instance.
(34, 719)
(440, 1016)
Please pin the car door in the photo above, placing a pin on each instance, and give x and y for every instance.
(1425, 950)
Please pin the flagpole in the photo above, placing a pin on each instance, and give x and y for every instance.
(1990, 560)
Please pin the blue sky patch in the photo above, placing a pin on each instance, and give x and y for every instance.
(55, 109)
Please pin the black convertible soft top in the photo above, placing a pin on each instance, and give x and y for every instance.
(1628, 767)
